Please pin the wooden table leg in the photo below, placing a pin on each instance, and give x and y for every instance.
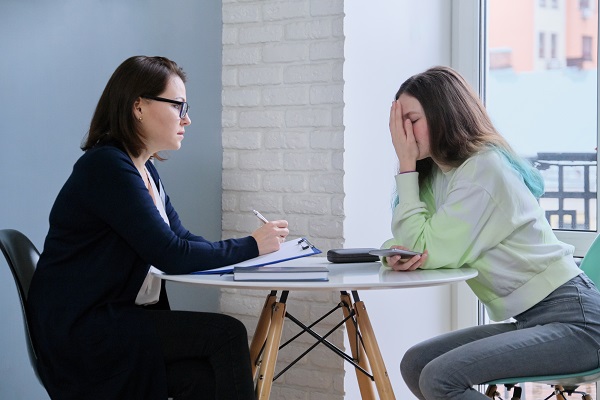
(380, 374)
(260, 334)
(358, 352)
(269, 359)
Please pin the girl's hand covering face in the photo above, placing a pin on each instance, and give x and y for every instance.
(410, 264)
(403, 138)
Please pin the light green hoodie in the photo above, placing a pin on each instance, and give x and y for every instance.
(482, 215)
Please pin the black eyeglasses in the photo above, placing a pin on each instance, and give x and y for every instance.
(183, 105)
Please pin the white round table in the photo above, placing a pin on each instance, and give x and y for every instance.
(343, 277)
(346, 276)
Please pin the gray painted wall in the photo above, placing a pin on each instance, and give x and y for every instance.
(55, 58)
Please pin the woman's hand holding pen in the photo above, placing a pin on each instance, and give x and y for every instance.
(270, 236)
(406, 264)
(403, 138)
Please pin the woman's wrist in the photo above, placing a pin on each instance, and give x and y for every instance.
(407, 166)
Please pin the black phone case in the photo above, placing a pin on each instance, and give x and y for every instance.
(351, 255)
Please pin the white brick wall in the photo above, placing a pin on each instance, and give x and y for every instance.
(283, 155)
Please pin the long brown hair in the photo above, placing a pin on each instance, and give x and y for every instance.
(114, 119)
(459, 125)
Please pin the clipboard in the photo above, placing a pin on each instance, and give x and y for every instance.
(289, 250)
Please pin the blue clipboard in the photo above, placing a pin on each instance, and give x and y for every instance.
(289, 250)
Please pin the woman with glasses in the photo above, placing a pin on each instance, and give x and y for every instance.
(100, 321)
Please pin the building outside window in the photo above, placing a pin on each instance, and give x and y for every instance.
(584, 4)
(587, 43)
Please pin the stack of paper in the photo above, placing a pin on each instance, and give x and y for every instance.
(269, 273)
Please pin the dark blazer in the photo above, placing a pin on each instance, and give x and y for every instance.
(105, 232)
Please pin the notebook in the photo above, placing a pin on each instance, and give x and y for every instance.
(275, 273)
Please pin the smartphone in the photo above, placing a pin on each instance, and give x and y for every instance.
(394, 252)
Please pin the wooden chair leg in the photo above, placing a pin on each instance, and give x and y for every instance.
(267, 366)
(492, 391)
(260, 334)
(358, 352)
(380, 374)
(558, 391)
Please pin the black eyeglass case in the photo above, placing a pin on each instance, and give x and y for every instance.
(352, 255)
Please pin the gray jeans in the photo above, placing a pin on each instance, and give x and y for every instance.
(561, 334)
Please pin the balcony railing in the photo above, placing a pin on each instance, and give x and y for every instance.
(571, 192)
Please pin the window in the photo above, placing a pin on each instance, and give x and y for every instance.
(526, 97)
(564, 84)
(586, 8)
(584, 5)
(586, 48)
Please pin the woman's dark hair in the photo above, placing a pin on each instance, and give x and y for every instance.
(114, 118)
(459, 125)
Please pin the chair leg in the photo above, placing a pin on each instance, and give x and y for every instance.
(517, 391)
(570, 390)
(492, 391)
(559, 392)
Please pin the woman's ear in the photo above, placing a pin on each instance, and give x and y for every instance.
(137, 109)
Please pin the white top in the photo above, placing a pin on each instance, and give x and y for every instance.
(150, 291)
(342, 276)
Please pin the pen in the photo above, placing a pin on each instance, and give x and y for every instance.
(260, 216)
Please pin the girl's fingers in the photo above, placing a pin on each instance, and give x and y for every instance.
(398, 264)
(407, 125)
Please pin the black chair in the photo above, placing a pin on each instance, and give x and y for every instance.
(22, 257)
